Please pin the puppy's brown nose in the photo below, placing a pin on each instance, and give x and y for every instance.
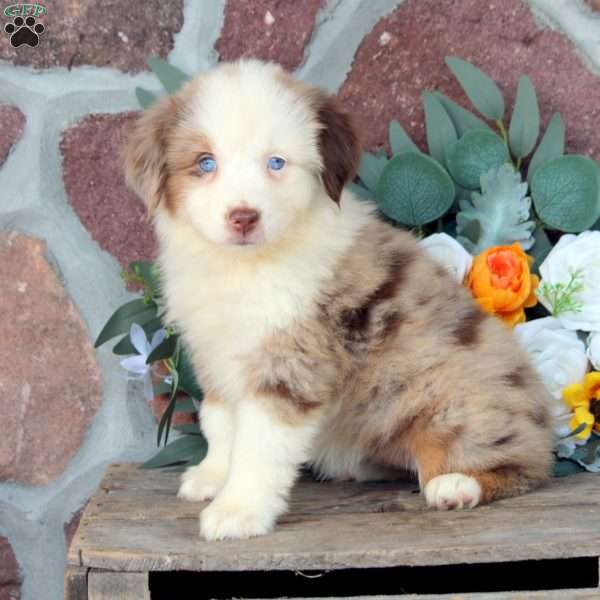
(243, 220)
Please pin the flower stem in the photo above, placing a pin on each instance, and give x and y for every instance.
(502, 131)
(504, 135)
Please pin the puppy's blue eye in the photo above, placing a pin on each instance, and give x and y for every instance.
(276, 163)
(207, 163)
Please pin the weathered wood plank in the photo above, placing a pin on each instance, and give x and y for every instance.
(151, 495)
(76, 583)
(560, 492)
(343, 542)
(135, 523)
(107, 585)
(144, 501)
(330, 527)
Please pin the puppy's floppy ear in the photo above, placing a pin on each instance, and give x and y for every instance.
(339, 146)
(145, 152)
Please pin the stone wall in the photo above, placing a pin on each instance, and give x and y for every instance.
(68, 225)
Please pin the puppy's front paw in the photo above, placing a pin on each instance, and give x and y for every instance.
(201, 482)
(452, 490)
(224, 519)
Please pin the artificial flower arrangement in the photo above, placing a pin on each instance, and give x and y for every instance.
(156, 357)
(516, 221)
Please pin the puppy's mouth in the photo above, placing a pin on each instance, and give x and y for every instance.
(250, 239)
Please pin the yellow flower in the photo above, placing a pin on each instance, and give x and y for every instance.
(584, 400)
(582, 416)
(591, 385)
(574, 396)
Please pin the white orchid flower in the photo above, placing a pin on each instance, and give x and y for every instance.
(136, 365)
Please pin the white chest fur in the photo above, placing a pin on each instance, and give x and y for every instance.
(227, 302)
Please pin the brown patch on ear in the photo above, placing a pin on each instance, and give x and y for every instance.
(145, 153)
(185, 147)
(339, 146)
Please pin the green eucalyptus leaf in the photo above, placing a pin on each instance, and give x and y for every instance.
(188, 429)
(473, 155)
(541, 248)
(580, 452)
(524, 127)
(179, 450)
(414, 189)
(187, 377)
(438, 126)
(170, 76)
(463, 119)
(165, 421)
(135, 311)
(124, 346)
(144, 97)
(591, 460)
(552, 145)
(164, 350)
(562, 468)
(197, 456)
(565, 193)
(370, 169)
(481, 90)
(162, 388)
(400, 140)
(185, 405)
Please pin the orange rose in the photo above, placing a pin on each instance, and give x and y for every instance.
(502, 284)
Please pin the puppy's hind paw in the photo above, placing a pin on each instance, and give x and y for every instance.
(452, 491)
(201, 483)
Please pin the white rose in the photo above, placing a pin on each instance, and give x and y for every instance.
(446, 251)
(572, 255)
(558, 356)
(593, 349)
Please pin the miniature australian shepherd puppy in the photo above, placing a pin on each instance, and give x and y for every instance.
(320, 334)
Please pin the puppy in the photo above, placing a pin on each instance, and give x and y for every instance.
(320, 334)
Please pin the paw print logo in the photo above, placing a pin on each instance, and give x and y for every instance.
(24, 31)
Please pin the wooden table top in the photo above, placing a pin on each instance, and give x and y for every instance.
(135, 522)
